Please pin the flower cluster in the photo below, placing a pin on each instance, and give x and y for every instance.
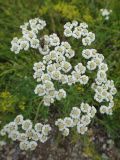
(56, 67)
(104, 89)
(78, 31)
(105, 13)
(29, 36)
(79, 118)
(23, 131)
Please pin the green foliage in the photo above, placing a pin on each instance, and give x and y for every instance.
(16, 81)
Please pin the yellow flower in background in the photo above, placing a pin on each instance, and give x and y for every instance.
(8, 102)
(67, 10)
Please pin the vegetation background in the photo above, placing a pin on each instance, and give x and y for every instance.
(16, 74)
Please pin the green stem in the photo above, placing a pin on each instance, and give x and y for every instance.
(37, 113)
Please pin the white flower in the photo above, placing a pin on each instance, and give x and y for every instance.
(92, 112)
(48, 85)
(68, 122)
(45, 77)
(66, 45)
(68, 25)
(22, 137)
(70, 53)
(29, 35)
(54, 40)
(87, 53)
(110, 97)
(84, 79)
(83, 25)
(39, 66)
(71, 80)
(14, 135)
(64, 78)
(76, 34)
(18, 120)
(34, 43)
(76, 121)
(61, 124)
(60, 50)
(101, 74)
(37, 75)
(85, 107)
(76, 75)
(81, 129)
(40, 90)
(12, 126)
(103, 66)
(46, 129)
(80, 68)
(32, 145)
(56, 75)
(92, 36)
(60, 59)
(111, 104)
(97, 60)
(27, 124)
(60, 94)
(15, 40)
(86, 41)
(24, 45)
(15, 48)
(24, 145)
(52, 93)
(84, 32)
(43, 138)
(75, 112)
(103, 109)
(113, 90)
(51, 68)
(66, 66)
(65, 132)
(2, 132)
(85, 120)
(98, 98)
(29, 133)
(68, 32)
(91, 65)
(38, 127)
(53, 55)
(94, 52)
(35, 136)
(74, 23)
(48, 100)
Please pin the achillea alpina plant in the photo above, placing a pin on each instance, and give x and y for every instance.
(56, 70)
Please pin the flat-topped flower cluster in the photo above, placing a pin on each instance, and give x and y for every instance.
(106, 13)
(80, 117)
(104, 88)
(55, 69)
(78, 31)
(29, 37)
(25, 133)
